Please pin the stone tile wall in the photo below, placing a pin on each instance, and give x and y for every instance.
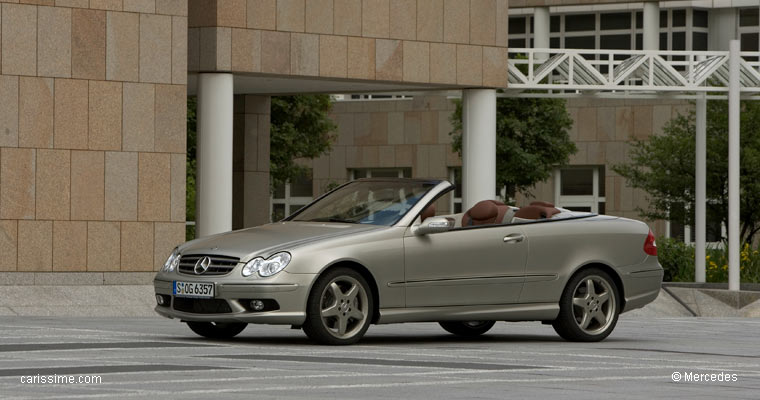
(92, 135)
(451, 42)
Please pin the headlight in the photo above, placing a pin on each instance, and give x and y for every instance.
(171, 262)
(274, 264)
(252, 266)
(268, 267)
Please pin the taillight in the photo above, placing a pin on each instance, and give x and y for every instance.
(650, 246)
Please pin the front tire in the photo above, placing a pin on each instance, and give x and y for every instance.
(589, 307)
(217, 330)
(339, 308)
(467, 328)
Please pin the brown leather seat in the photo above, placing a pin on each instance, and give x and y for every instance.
(542, 204)
(484, 213)
(536, 212)
(428, 212)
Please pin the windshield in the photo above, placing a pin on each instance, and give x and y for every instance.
(366, 202)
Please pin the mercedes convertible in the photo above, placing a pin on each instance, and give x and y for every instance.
(374, 251)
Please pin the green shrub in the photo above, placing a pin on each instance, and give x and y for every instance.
(677, 259)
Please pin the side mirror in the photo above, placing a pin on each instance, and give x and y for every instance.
(433, 225)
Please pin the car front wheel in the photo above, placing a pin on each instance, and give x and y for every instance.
(339, 308)
(467, 328)
(217, 330)
(589, 307)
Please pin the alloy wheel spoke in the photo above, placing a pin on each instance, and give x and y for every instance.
(352, 292)
(356, 314)
(590, 287)
(342, 325)
(600, 317)
(580, 301)
(586, 320)
(335, 290)
(603, 298)
(330, 311)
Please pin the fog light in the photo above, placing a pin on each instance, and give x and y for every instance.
(160, 299)
(257, 305)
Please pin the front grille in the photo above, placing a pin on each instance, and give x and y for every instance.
(220, 265)
(201, 306)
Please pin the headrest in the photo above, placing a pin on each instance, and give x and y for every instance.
(428, 212)
(483, 210)
(535, 212)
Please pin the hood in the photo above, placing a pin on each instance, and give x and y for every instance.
(267, 239)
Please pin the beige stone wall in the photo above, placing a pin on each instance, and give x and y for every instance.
(92, 136)
(603, 130)
(450, 43)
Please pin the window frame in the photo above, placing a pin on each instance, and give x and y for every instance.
(592, 200)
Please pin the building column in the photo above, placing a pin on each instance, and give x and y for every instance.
(541, 31)
(700, 192)
(214, 154)
(651, 19)
(734, 241)
(478, 146)
(251, 194)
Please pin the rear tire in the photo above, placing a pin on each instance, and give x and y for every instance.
(217, 330)
(589, 307)
(339, 308)
(467, 328)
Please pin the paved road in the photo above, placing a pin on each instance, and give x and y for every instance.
(158, 358)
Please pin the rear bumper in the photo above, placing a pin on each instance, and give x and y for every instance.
(642, 284)
(289, 300)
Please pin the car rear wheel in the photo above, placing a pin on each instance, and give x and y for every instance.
(589, 307)
(217, 330)
(467, 328)
(339, 308)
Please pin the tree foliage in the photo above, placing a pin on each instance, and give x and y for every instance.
(300, 129)
(531, 140)
(664, 166)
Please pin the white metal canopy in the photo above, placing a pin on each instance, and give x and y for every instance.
(628, 73)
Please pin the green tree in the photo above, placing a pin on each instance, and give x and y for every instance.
(300, 129)
(663, 166)
(531, 140)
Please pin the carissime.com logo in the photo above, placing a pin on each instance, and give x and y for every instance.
(678, 376)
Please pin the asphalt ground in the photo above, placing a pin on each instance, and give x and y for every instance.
(158, 358)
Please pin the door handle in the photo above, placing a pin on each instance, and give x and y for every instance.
(514, 238)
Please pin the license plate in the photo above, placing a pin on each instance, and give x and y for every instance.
(193, 289)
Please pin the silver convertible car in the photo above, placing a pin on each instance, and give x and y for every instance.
(373, 251)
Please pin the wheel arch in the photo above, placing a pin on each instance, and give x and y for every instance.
(364, 272)
(610, 271)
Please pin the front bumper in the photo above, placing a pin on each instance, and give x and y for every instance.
(289, 298)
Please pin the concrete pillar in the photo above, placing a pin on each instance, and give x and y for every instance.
(651, 20)
(214, 154)
(250, 206)
(734, 241)
(700, 204)
(541, 31)
(478, 145)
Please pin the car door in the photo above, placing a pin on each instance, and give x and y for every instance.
(465, 266)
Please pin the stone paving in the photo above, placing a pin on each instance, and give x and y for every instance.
(159, 358)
